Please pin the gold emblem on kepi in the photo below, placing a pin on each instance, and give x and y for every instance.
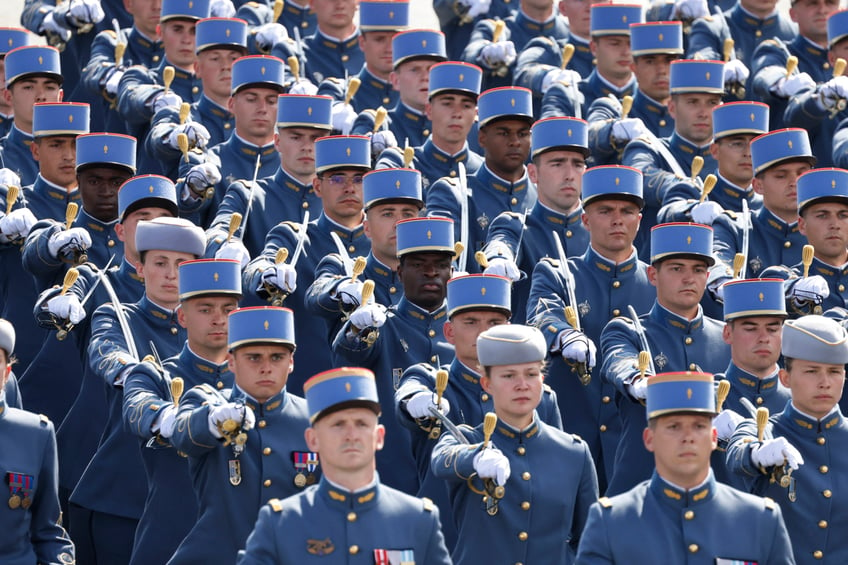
(70, 118)
(320, 546)
(753, 117)
(347, 387)
(266, 325)
(190, 4)
(512, 102)
(429, 234)
(617, 181)
(347, 151)
(833, 183)
(761, 297)
(624, 19)
(262, 70)
(569, 132)
(391, 15)
(708, 75)
(483, 291)
(150, 189)
(689, 394)
(10, 42)
(688, 240)
(461, 77)
(397, 184)
(227, 32)
(215, 277)
(423, 43)
(40, 60)
(309, 111)
(789, 143)
(660, 37)
(105, 149)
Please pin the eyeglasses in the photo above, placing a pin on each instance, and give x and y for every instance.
(340, 181)
(735, 145)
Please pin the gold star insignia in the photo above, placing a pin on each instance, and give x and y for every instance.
(617, 181)
(789, 143)
(70, 118)
(707, 75)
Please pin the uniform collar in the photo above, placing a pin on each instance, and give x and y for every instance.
(490, 180)
(732, 191)
(326, 225)
(750, 22)
(507, 435)
(819, 267)
(293, 8)
(411, 310)
(342, 500)
(198, 364)
(408, 113)
(367, 77)
(606, 88)
(285, 180)
(642, 100)
(677, 497)
(209, 107)
(240, 146)
(376, 267)
(808, 424)
(534, 27)
(767, 219)
(750, 383)
(17, 136)
(274, 405)
(557, 219)
(157, 312)
(599, 263)
(668, 319)
(54, 191)
(333, 43)
(803, 45)
(179, 74)
(431, 151)
(680, 143)
(468, 378)
(135, 37)
(127, 269)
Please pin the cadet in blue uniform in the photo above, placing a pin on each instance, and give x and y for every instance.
(458, 17)
(388, 342)
(104, 526)
(613, 74)
(33, 76)
(10, 38)
(529, 459)
(413, 53)
(807, 439)
(246, 445)
(350, 516)
(675, 333)
(209, 290)
(517, 242)
(340, 162)
(604, 281)
(502, 183)
(452, 108)
(257, 82)
(297, 17)
(654, 46)
(753, 314)
(390, 195)
(219, 42)
(32, 521)
(696, 87)
(702, 521)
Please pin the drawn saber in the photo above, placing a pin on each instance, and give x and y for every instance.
(643, 339)
(571, 316)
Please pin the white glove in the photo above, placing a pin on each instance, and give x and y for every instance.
(706, 212)
(222, 9)
(419, 404)
(202, 176)
(282, 276)
(165, 99)
(167, 421)
(371, 315)
(789, 87)
(735, 71)
(303, 86)
(629, 128)
(382, 139)
(725, 423)
(84, 12)
(113, 81)
(831, 92)
(490, 463)
(716, 287)
(500, 54)
(343, 117)
(350, 292)
(776, 451)
(476, 7)
(66, 242)
(16, 225)
(67, 307)
(503, 267)
(690, 9)
(234, 249)
(268, 35)
(560, 75)
(638, 388)
(198, 135)
(576, 346)
(50, 24)
(230, 411)
(804, 289)
(8, 177)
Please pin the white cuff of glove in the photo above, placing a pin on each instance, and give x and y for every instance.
(167, 421)
(777, 451)
(638, 388)
(576, 346)
(234, 249)
(706, 212)
(368, 316)
(503, 267)
(282, 276)
(419, 404)
(490, 463)
(66, 307)
(725, 423)
(65, 241)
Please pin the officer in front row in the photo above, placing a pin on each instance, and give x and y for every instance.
(245, 445)
(350, 516)
(31, 520)
(548, 475)
(682, 514)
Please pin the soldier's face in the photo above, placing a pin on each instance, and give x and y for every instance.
(346, 442)
(255, 113)
(559, 179)
(296, 147)
(161, 274)
(826, 227)
(754, 343)
(612, 226)
(334, 16)
(507, 145)
(733, 154)
(838, 51)
(27, 92)
(412, 80)
(462, 330)
(680, 284)
(516, 391)
(424, 276)
(811, 17)
(205, 319)
(5, 107)
(340, 191)
(579, 14)
(99, 191)
(779, 187)
(816, 387)
(380, 227)
(693, 115)
(261, 370)
(653, 74)
(178, 42)
(56, 156)
(145, 14)
(214, 67)
(682, 444)
(452, 116)
(613, 56)
(377, 48)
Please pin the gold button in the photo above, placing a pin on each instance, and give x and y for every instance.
(453, 173)
(392, 290)
(841, 288)
(484, 397)
(266, 451)
(616, 312)
(568, 233)
(616, 284)
(434, 358)
(605, 399)
(688, 341)
(195, 89)
(525, 505)
(522, 536)
(174, 331)
(820, 440)
(262, 423)
(386, 100)
(110, 243)
(787, 244)
(826, 65)
(692, 366)
(426, 133)
(603, 427)
(521, 450)
(220, 385)
(228, 125)
(514, 201)
(826, 493)
(351, 517)
(304, 24)
(304, 205)
(351, 249)
(267, 483)
(432, 333)
(823, 469)
(758, 33)
(354, 549)
(693, 548)
(818, 554)
(156, 58)
(525, 475)
(345, 58)
(759, 400)
(822, 524)
(689, 515)
(662, 123)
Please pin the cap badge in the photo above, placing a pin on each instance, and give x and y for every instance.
(266, 325)
(227, 32)
(429, 234)
(689, 394)
(397, 184)
(40, 60)
(617, 181)
(761, 297)
(688, 240)
(483, 291)
(309, 111)
(215, 277)
(150, 189)
(105, 149)
(347, 387)
(347, 151)
(262, 70)
(512, 102)
(461, 77)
